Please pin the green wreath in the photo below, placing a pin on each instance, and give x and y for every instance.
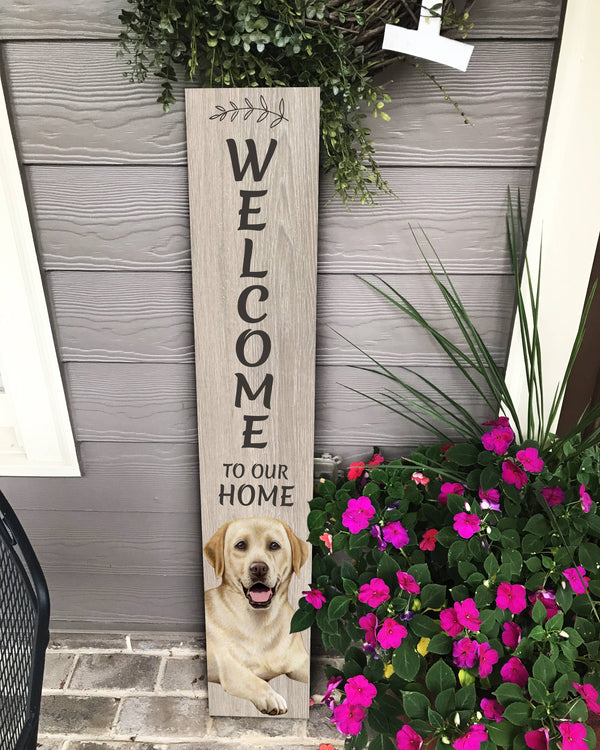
(335, 45)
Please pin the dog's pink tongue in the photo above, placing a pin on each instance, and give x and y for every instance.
(259, 596)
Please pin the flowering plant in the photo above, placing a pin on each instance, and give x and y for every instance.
(461, 583)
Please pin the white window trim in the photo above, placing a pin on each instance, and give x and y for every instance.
(565, 220)
(36, 438)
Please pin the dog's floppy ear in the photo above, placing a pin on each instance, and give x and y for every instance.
(299, 549)
(213, 550)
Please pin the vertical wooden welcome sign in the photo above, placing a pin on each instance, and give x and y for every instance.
(253, 188)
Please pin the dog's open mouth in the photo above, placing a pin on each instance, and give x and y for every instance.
(259, 595)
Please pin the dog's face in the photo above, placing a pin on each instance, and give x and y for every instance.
(256, 556)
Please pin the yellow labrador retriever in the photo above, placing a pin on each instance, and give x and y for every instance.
(248, 615)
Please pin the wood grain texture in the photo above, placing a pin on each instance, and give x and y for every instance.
(117, 601)
(132, 477)
(138, 403)
(147, 317)
(271, 211)
(91, 542)
(64, 117)
(81, 19)
(136, 218)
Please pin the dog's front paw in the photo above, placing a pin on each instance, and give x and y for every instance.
(272, 703)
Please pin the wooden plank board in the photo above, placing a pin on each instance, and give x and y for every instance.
(136, 218)
(65, 117)
(115, 402)
(139, 477)
(117, 601)
(82, 19)
(505, 86)
(253, 157)
(147, 317)
(101, 541)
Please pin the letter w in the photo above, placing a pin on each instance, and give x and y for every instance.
(251, 160)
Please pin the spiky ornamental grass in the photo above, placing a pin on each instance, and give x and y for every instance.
(334, 45)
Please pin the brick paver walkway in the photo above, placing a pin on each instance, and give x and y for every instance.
(148, 692)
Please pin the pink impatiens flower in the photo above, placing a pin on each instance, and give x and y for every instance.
(464, 653)
(355, 469)
(498, 422)
(577, 578)
(408, 739)
(511, 596)
(488, 656)
(492, 709)
(466, 524)
(511, 635)
(449, 622)
(419, 478)
(573, 735)
(395, 533)
(468, 614)
(513, 474)
(530, 460)
(498, 439)
(548, 598)
(359, 691)
(332, 684)
(369, 624)
(590, 696)
(514, 671)
(450, 488)
(408, 583)
(391, 634)
(538, 739)
(327, 540)
(490, 499)
(553, 495)
(358, 514)
(376, 460)
(472, 739)
(348, 718)
(374, 593)
(315, 598)
(586, 500)
(429, 539)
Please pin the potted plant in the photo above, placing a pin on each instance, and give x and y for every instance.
(460, 583)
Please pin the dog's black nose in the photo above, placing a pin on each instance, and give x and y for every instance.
(259, 569)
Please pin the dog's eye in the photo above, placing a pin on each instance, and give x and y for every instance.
(274, 545)
(240, 545)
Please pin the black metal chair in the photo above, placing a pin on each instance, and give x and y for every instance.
(24, 618)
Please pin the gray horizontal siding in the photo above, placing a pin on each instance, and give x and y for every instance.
(65, 116)
(108, 186)
(147, 317)
(82, 19)
(136, 218)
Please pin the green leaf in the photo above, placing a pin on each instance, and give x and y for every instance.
(537, 525)
(532, 545)
(420, 573)
(424, 627)
(349, 586)
(315, 520)
(435, 719)
(466, 698)
(544, 670)
(511, 539)
(387, 569)
(444, 702)
(517, 713)
(338, 607)
(508, 692)
(589, 555)
(440, 644)
(433, 595)
(489, 477)
(301, 620)
(537, 690)
(539, 613)
(463, 454)
(378, 721)
(415, 705)
(440, 677)
(406, 661)
(578, 711)
(381, 742)
(491, 564)
(348, 571)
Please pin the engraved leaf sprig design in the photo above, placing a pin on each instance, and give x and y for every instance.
(248, 109)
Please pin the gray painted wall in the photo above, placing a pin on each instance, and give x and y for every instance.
(105, 171)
